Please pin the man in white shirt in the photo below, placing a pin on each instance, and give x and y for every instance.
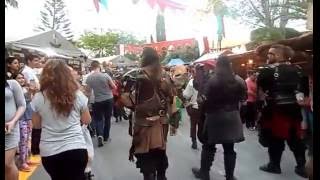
(190, 93)
(32, 62)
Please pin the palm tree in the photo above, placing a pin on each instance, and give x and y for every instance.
(12, 3)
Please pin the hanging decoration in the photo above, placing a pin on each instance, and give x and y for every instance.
(220, 31)
(98, 2)
(163, 4)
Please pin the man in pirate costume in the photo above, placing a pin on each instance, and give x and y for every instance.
(153, 98)
(279, 85)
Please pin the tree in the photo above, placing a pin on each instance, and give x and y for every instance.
(12, 3)
(127, 38)
(266, 35)
(269, 13)
(54, 17)
(106, 43)
(101, 44)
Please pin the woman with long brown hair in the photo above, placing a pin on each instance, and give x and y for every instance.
(59, 109)
(15, 106)
(13, 66)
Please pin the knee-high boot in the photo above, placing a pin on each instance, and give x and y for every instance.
(149, 176)
(161, 175)
(300, 168)
(207, 158)
(229, 165)
(274, 165)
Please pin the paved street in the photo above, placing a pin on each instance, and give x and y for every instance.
(111, 161)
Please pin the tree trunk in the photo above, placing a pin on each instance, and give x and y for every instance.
(284, 17)
(265, 4)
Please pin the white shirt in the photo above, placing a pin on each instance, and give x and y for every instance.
(84, 79)
(30, 74)
(191, 94)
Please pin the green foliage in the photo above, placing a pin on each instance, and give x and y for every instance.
(127, 38)
(11, 3)
(54, 17)
(266, 34)
(102, 45)
(262, 35)
(107, 43)
(290, 33)
(272, 34)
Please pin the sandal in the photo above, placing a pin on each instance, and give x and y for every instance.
(25, 168)
(32, 163)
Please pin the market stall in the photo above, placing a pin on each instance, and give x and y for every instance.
(50, 44)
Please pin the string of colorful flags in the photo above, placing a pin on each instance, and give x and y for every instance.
(162, 4)
(98, 2)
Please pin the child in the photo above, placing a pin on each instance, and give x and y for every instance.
(25, 126)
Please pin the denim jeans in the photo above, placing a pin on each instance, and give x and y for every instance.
(102, 117)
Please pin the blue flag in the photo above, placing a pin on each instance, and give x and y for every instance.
(104, 3)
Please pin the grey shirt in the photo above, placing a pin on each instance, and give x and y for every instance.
(99, 82)
(14, 98)
(60, 134)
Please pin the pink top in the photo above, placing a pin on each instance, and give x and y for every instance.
(252, 90)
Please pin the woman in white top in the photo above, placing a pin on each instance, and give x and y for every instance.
(59, 109)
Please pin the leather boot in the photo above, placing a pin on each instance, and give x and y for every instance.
(161, 175)
(194, 144)
(203, 175)
(274, 165)
(207, 158)
(35, 141)
(229, 165)
(300, 168)
(149, 176)
(89, 175)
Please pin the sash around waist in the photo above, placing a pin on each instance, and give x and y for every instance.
(147, 123)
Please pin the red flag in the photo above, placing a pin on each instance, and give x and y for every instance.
(96, 4)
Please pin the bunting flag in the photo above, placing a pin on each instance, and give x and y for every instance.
(163, 4)
(97, 5)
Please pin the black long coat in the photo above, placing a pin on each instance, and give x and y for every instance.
(223, 123)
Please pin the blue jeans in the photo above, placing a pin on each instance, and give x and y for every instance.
(102, 117)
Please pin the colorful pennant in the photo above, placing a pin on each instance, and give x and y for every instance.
(163, 4)
(97, 5)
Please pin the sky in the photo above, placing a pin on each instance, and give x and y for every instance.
(138, 19)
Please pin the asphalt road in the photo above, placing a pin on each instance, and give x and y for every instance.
(111, 160)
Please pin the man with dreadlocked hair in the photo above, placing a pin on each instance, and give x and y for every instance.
(153, 100)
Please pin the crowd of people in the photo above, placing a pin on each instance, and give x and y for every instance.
(48, 102)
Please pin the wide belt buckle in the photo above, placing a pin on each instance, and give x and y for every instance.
(162, 113)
